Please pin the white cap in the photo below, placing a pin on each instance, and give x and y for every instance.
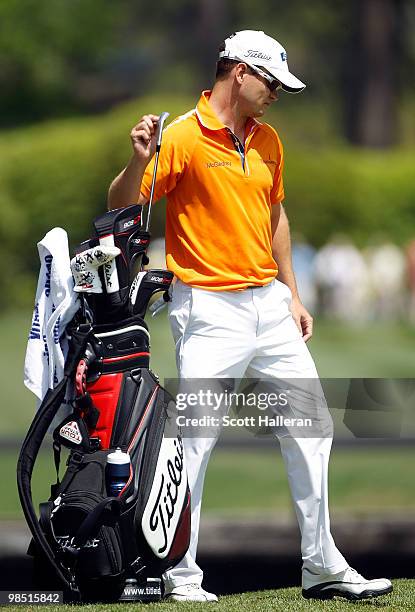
(117, 457)
(255, 48)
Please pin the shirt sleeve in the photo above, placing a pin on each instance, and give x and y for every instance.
(173, 160)
(277, 191)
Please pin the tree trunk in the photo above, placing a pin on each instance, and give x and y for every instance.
(371, 73)
(211, 31)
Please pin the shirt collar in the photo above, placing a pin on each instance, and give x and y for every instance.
(208, 118)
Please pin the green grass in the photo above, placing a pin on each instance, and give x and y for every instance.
(378, 350)
(361, 482)
(279, 600)
(249, 482)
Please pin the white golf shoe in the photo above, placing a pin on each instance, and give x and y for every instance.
(348, 583)
(190, 592)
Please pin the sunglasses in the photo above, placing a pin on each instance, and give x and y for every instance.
(272, 83)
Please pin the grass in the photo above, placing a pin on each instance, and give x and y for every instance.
(361, 482)
(279, 600)
(378, 350)
(254, 483)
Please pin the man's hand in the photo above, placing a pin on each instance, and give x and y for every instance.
(125, 188)
(143, 138)
(302, 318)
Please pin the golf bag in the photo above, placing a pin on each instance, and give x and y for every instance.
(92, 538)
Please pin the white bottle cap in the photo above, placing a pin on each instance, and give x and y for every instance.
(118, 457)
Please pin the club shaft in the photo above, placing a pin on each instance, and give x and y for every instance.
(153, 182)
(159, 135)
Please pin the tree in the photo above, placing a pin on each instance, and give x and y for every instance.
(44, 48)
(370, 78)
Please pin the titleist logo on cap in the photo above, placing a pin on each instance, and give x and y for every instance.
(257, 54)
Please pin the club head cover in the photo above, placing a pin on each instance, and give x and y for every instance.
(85, 266)
(123, 228)
(144, 286)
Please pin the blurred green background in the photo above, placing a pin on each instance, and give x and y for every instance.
(76, 75)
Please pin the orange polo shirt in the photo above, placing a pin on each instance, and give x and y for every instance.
(218, 224)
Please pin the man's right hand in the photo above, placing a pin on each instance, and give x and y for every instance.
(125, 188)
(143, 138)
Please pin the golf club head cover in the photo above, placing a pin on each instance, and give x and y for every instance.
(85, 266)
(122, 228)
(144, 286)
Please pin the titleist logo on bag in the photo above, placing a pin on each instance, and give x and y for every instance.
(163, 509)
(66, 541)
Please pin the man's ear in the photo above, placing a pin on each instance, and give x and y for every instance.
(240, 72)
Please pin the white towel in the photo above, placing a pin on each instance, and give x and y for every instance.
(55, 305)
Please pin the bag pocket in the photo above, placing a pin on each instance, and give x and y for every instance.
(102, 553)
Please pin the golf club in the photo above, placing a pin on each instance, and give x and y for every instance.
(159, 134)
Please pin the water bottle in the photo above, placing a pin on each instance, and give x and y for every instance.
(117, 472)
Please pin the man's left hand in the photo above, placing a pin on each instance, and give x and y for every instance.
(302, 318)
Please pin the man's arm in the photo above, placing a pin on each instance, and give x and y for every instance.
(281, 251)
(125, 188)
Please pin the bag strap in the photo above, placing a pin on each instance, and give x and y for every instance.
(45, 512)
(30, 449)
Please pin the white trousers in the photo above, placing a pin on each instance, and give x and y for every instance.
(221, 334)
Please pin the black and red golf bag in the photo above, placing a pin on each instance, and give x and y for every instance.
(95, 540)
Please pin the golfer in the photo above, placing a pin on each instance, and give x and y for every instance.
(235, 307)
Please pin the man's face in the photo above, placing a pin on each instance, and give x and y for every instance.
(255, 93)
